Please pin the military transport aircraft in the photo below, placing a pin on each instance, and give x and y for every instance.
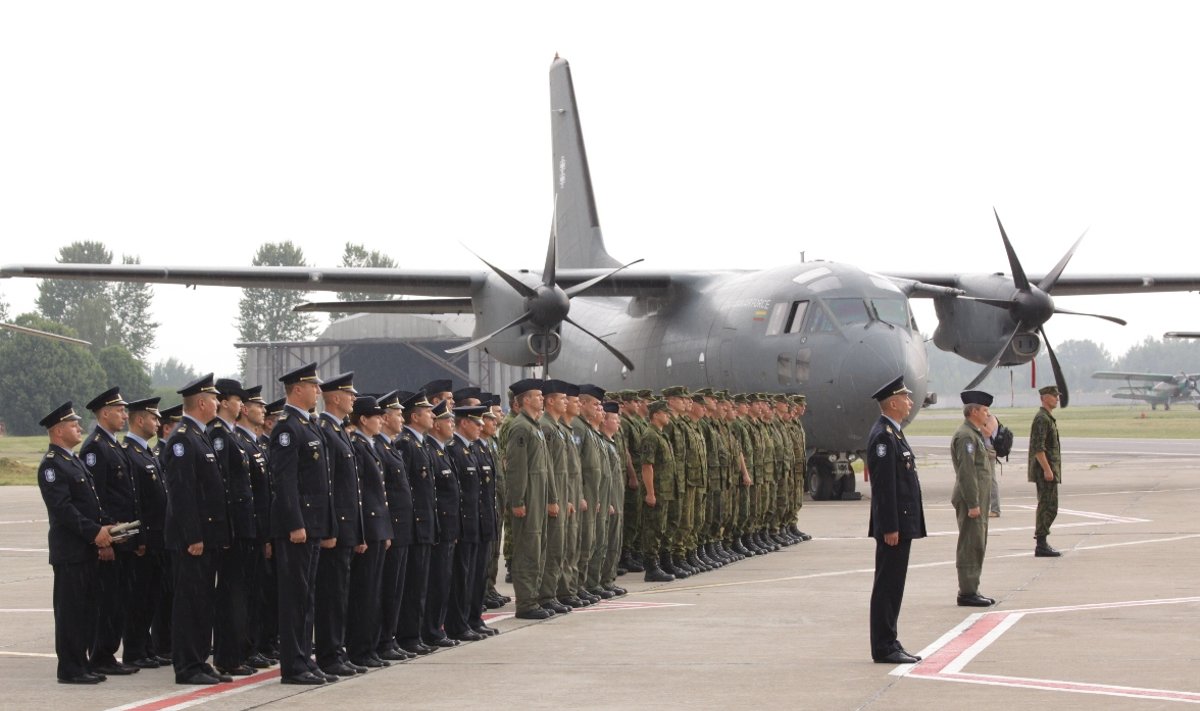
(1155, 388)
(833, 331)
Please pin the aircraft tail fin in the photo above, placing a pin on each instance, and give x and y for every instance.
(580, 242)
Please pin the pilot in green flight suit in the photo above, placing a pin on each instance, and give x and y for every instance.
(972, 487)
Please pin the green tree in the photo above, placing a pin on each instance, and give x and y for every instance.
(131, 305)
(356, 255)
(266, 314)
(58, 298)
(1165, 356)
(39, 374)
(123, 370)
(172, 373)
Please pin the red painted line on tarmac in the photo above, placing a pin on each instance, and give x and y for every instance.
(187, 698)
(936, 662)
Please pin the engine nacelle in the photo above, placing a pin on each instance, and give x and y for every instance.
(975, 330)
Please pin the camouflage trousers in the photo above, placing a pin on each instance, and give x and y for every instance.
(684, 520)
(653, 529)
(1047, 507)
(629, 533)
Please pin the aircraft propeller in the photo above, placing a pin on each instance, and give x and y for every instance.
(547, 305)
(1031, 307)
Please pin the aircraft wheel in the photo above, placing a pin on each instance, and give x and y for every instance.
(820, 478)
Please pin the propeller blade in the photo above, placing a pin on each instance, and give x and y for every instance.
(552, 250)
(1114, 319)
(478, 341)
(1048, 281)
(1018, 272)
(620, 356)
(579, 288)
(521, 287)
(1059, 380)
(995, 359)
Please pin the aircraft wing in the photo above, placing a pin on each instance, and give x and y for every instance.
(1142, 377)
(1136, 396)
(406, 282)
(1070, 285)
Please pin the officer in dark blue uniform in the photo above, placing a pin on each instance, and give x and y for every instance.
(196, 529)
(366, 567)
(231, 643)
(160, 630)
(262, 614)
(467, 573)
(76, 533)
(152, 567)
(400, 512)
(302, 515)
(441, 555)
(333, 572)
(105, 459)
(415, 447)
(897, 517)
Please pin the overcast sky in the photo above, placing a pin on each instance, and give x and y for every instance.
(719, 134)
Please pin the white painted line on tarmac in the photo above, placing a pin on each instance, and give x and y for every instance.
(945, 659)
(26, 609)
(29, 520)
(24, 550)
(39, 655)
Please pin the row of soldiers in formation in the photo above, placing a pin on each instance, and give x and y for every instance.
(373, 528)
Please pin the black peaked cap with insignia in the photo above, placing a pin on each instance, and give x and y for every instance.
(171, 414)
(442, 385)
(441, 411)
(894, 387)
(150, 405)
(475, 412)
(367, 406)
(305, 373)
(415, 400)
(275, 407)
(228, 387)
(343, 382)
(112, 396)
(467, 393)
(253, 394)
(203, 384)
(63, 413)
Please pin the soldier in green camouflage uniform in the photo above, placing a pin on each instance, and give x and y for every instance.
(610, 430)
(659, 488)
(682, 515)
(632, 425)
(1045, 469)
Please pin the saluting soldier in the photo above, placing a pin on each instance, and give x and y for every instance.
(196, 530)
(105, 459)
(232, 645)
(366, 567)
(972, 486)
(149, 569)
(415, 446)
(400, 515)
(333, 570)
(302, 516)
(75, 537)
(897, 517)
(531, 496)
(1045, 469)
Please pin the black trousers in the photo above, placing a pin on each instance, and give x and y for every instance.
(463, 579)
(362, 615)
(115, 579)
(192, 611)
(266, 636)
(296, 568)
(75, 612)
(437, 598)
(333, 595)
(391, 594)
(160, 628)
(483, 559)
(149, 571)
(232, 634)
(891, 569)
(412, 607)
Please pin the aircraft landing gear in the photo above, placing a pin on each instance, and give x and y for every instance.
(831, 479)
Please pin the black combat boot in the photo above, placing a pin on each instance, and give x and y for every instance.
(1044, 550)
(655, 574)
(693, 559)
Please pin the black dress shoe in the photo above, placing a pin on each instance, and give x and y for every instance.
(369, 663)
(444, 643)
(84, 678)
(493, 603)
(115, 669)
(898, 656)
(146, 663)
(488, 631)
(338, 669)
(393, 655)
(198, 678)
(975, 600)
(306, 678)
(470, 636)
(258, 661)
(416, 648)
(356, 668)
(534, 614)
(163, 660)
(239, 670)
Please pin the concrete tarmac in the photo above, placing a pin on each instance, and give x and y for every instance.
(1112, 624)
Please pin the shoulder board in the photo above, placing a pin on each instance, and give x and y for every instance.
(181, 428)
(49, 455)
(96, 437)
(218, 424)
(282, 417)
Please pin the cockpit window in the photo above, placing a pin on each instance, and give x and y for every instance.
(849, 312)
(796, 318)
(893, 311)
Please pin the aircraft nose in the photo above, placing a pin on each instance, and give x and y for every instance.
(874, 359)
